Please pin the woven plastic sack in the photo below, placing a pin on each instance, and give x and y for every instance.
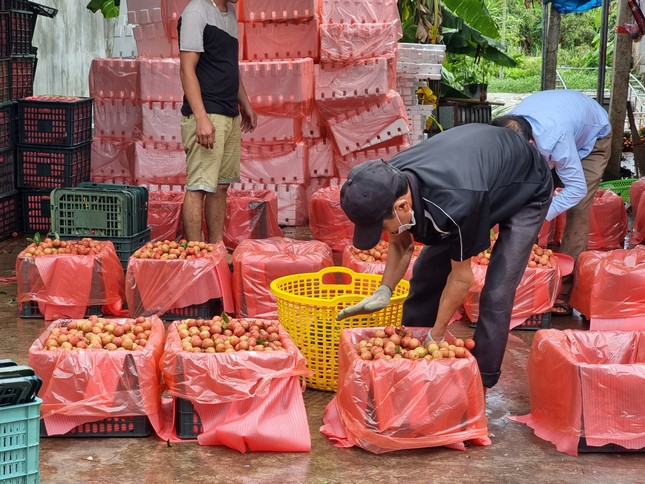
(327, 220)
(587, 384)
(94, 384)
(250, 214)
(153, 286)
(245, 399)
(164, 214)
(536, 293)
(609, 285)
(256, 263)
(65, 285)
(388, 405)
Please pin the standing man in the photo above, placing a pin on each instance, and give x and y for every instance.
(448, 192)
(215, 110)
(573, 133)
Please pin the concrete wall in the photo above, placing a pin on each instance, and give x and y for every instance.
(66, 46)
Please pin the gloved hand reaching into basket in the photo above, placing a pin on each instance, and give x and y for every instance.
(377, 301)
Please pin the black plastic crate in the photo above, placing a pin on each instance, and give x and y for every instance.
(7, 170)
(5, 80)
(21, 24)
(131, 426)
(55, 120)
(8, 215)
(5, 27)
(536, 321)
(205, 310)
(618, 449)
(36, 211)
(188, 424)
(29, 310)
(21, 74)
(7, 122)
(52, 167)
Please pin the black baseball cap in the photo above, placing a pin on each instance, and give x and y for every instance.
(367, 198)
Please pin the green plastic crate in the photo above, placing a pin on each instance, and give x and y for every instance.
(619, 187)
(98, 212)
(19, 443)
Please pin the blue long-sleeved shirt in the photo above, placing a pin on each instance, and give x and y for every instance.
(566, 125)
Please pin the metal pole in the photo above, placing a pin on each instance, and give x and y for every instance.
(602, 58)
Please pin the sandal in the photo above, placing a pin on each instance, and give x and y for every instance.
(561, 308)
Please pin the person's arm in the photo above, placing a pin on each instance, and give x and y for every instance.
(205, 131)
(249, 118)
(569, 169)
(399, 253)
(459, 282)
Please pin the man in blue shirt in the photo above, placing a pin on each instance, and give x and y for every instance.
(573, 133)
(448, 192)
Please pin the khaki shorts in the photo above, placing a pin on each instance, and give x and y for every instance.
(220, 165)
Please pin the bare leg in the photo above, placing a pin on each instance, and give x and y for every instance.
(215, 208)
(192, 214)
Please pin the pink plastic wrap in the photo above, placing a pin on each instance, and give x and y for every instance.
(610, 284)
(383, 151)
(388, 405)
(287, 168)
(159, 163)
(587, 384)
(339, 86)
(371, 125)
(314, 126)
(292, 201)
(348, 42)
(112, 160)
(279, 87)
(250, 214)
(65, 285)
(327, 220)
(116, 118)
(93, 384)
(373, 267)
(536, 293)
(114, 78)
(153, 286)
(359, 11)
(164, 214)
(284, 10)
(159, 80)
(275, 130)
(161, 121)
(282, 40)
(256, 263)
(321, 158)
(607, 221)
(245, 399)
(637, 201)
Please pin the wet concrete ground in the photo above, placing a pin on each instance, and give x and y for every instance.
(515, 456)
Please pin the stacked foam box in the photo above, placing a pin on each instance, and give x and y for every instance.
(415, 65)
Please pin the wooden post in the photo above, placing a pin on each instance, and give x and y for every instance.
(550, 54)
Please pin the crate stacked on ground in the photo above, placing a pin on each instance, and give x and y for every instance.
(53, 150)
(9, 199)
(242, 391)
(116, 381)
(118, 213)
(418, 80)
(178, 280)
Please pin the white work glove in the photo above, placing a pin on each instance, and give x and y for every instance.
(429, 339)
(377, 301)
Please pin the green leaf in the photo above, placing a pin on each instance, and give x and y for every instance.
(475, 14)
(225, 317)
(262, 341)
(109, 8)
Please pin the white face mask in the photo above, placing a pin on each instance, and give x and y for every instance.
(408, 226)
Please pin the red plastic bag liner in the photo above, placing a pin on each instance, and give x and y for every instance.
(388, 405)
(536, 293)
(256, 263)
(64, 285)
(587, 384)
(373, 267)
(609, 285)
(86, 385)
(164, 214)
(327, 220)
(153, 286)
(245, 399)
(637, 201)
(250, 214)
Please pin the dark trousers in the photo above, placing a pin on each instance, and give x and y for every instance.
(511, 251)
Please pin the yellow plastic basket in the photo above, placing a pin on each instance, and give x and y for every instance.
(307, 307)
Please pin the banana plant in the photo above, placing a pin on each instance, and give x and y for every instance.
(109, 8)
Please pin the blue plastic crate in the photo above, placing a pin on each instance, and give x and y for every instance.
(19, 443)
